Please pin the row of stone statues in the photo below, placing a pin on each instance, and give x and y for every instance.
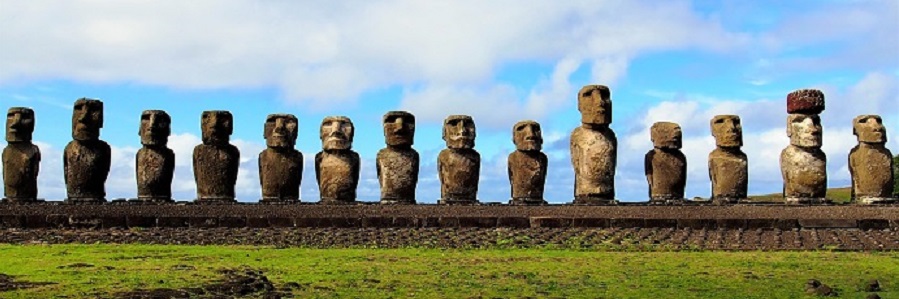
(593, 156)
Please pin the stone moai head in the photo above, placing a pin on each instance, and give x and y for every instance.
(666, 135)
(399, 128)
(804, 130)
(595, 105)
(869, 129)
(217, 126)
(155, 127)
(727, 130)
(459, 132)
(281, 130)
(527, 136)
(337, 133)
(87, 119)
(19, 124)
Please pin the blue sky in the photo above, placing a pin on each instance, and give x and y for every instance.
(499, 61)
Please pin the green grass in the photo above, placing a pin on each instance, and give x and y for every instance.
(838, 195)
(435, 273)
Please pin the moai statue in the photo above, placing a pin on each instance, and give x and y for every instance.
(666, 165)
(870, 162)
(86, 159)
(728, 165)
(527, 164)
(594, 148)
(21, 158)
(459, 165)
(280, 165)
(155, 161)
(397, 164)
(802, 163)
(337, 165)
(216, 161)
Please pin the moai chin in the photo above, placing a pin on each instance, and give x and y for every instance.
(337, 165)
(155, 161)
(86, 159)
(216, 161)
(21, 158)
(397, 164)
(459, 165)
(527, 164)
(802, 163)
(594, 148)
(666, 165)
(728, 165)
(870, 162)
(280, 165)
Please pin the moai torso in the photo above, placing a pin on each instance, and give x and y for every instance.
(337, 165)
(459, 174)
(86, 160)
(21, 164)
(216, 162)
(338, 175)
(594, 156)
(397, 164)
(527, 173)
(21, 158)
(666, 165)
(155, 163)
(870, 162)
(729, 173)
(804, 173)
(280, 165)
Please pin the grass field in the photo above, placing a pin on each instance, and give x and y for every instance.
(838, 195)
(101, 270)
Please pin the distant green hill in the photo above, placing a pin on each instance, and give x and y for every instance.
(838, 195)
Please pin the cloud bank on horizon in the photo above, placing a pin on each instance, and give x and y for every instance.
(499, 61)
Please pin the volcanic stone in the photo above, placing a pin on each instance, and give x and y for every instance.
(397, 164)
(280, 165)
(728, 165)
(155, 166)
(665, 164)
(337, 165)
(21, 158)
(216, 161)
(594, 148)
(86, 159)
(870, 162)
(805, 101)
(459, 165)
(527, 164)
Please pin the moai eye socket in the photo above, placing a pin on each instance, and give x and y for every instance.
(719, 121)
(454, 122)
(391, 119)
(798, 119)
(519, 128)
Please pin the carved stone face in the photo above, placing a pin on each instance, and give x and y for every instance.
(87, 119)
(459, 132)
(595, 105)
(666, 135)
(19, 124)
(399, 128)
(281, 131)
(155, 127)
(804, 130)
(728, 130)
(869, 129)
(216, 126)
(527, 136)
(337, 133)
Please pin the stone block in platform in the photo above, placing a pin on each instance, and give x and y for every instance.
(828, 223)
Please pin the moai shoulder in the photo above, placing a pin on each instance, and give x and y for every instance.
(21, 158)
(216, 161)
(666, 165)
(155, 162)
(280, 165)
(459, 165)
(870, 162)
(86, 159)
(527, 164)
(594, 148)
(728, 165)
(397, 164)
(337, 165)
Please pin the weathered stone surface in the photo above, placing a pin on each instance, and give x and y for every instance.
(666, 165)
(21, 158)
(870, 162)
(337, 165)
(594, 148)
(155, 163)
(527, 164)
(216, 161)
(459, 165)
(280, 165)
(802, 163)
(728, 165)
(805, 101)
(86, 159)
(397, 165)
